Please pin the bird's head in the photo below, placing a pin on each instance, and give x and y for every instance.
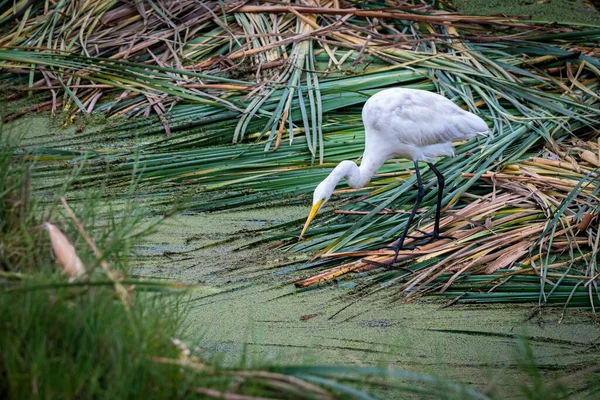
(322, 193)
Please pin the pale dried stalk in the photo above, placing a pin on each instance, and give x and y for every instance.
(215, 394)
(65, 253)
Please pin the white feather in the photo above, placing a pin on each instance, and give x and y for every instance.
(405, 123)
(416, 124)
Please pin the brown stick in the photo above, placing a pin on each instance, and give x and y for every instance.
(349, 212)
(228, 86)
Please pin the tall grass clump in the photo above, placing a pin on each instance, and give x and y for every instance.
(74, 335)
(17, 243)
(81, 343)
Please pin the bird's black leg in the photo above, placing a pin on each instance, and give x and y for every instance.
(438, 210)
(436, 225)
(420, 194)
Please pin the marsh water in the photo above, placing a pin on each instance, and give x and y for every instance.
(256, 313)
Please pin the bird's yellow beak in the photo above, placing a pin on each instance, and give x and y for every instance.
(313, 212)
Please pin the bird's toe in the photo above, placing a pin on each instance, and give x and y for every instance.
(430, 237)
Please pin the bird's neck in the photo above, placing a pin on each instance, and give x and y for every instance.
(357, 177)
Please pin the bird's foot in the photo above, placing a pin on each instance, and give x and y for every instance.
(397, 247)
(430, 236)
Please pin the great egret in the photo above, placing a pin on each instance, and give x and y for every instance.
(403, 123)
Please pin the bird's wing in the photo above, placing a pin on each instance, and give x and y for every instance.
(422, 118)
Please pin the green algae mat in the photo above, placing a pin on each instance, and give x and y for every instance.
(256, 315)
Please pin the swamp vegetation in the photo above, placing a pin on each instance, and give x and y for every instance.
(183, 141)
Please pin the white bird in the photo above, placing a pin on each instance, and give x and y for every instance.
(403, 123)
